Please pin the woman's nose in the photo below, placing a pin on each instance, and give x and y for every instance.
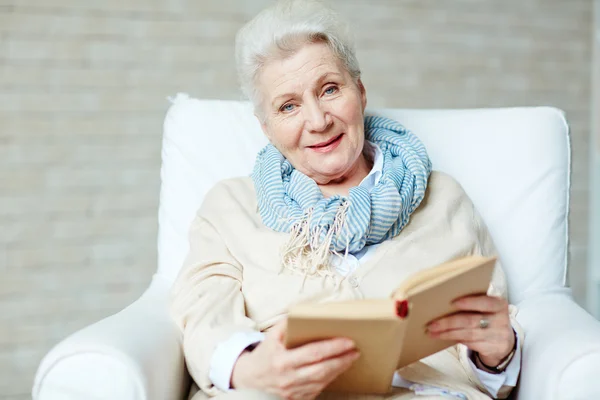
(317, 119)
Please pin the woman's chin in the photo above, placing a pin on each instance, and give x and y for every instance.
(329, 175)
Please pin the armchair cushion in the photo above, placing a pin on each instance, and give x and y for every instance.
(561, 354)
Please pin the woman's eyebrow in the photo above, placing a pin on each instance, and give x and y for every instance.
(328, 75)
(279, 97)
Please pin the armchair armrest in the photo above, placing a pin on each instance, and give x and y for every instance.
(561, 353)
(134, 354)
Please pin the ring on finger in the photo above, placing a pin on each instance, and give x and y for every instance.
(484, 323)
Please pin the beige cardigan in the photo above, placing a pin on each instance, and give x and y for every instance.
(232, 279)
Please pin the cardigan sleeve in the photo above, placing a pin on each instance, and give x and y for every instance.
(207, 303)
(498, 287)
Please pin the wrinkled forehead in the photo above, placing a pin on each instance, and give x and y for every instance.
(300, 71)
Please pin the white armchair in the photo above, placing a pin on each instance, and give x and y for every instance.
(513, 163)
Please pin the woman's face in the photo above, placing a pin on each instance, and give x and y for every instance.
(314, 113)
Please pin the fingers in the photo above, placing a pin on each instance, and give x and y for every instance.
(308, 381)
(300, 373)
(466, 335)
(482, 304)
(326, 371)
(493, 342)
(463, 320)
(464, 327)
(318, 351)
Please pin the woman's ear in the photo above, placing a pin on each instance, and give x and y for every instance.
(363, 94)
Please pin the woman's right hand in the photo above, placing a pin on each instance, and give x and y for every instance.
(295, 374)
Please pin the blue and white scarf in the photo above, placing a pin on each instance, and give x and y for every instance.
(290, 201)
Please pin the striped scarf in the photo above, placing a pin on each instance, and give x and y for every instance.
(289, 201)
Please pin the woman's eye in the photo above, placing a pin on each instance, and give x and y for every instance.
(287, 107)
(330, 90)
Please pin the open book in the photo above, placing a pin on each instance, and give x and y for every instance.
(390, 333)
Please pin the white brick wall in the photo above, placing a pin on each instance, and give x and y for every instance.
(82, 96)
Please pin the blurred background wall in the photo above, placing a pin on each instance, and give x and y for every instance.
(82, 98)
(593, 289)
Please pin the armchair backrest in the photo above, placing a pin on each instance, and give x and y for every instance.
(513, 163)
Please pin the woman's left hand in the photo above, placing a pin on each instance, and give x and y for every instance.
(482, 324)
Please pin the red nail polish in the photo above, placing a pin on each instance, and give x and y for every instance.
(402, 308)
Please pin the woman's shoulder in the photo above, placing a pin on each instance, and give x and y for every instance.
(228, 195)
(442, 186)
(445, 201)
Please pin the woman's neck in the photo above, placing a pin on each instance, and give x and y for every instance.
(361, 169)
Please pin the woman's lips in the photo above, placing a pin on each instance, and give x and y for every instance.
(328, 146)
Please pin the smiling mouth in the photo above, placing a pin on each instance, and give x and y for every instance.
(327, 143)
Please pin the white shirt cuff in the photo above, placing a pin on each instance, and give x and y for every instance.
(226, 354)
(494, 382)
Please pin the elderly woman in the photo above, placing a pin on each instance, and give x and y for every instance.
(339, 206)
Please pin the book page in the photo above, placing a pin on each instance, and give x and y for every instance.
(433, 276)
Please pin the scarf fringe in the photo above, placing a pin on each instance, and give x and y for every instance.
(305, 253)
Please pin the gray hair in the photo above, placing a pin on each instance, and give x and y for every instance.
(281, 30)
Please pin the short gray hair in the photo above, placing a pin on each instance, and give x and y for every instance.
(281, 30)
